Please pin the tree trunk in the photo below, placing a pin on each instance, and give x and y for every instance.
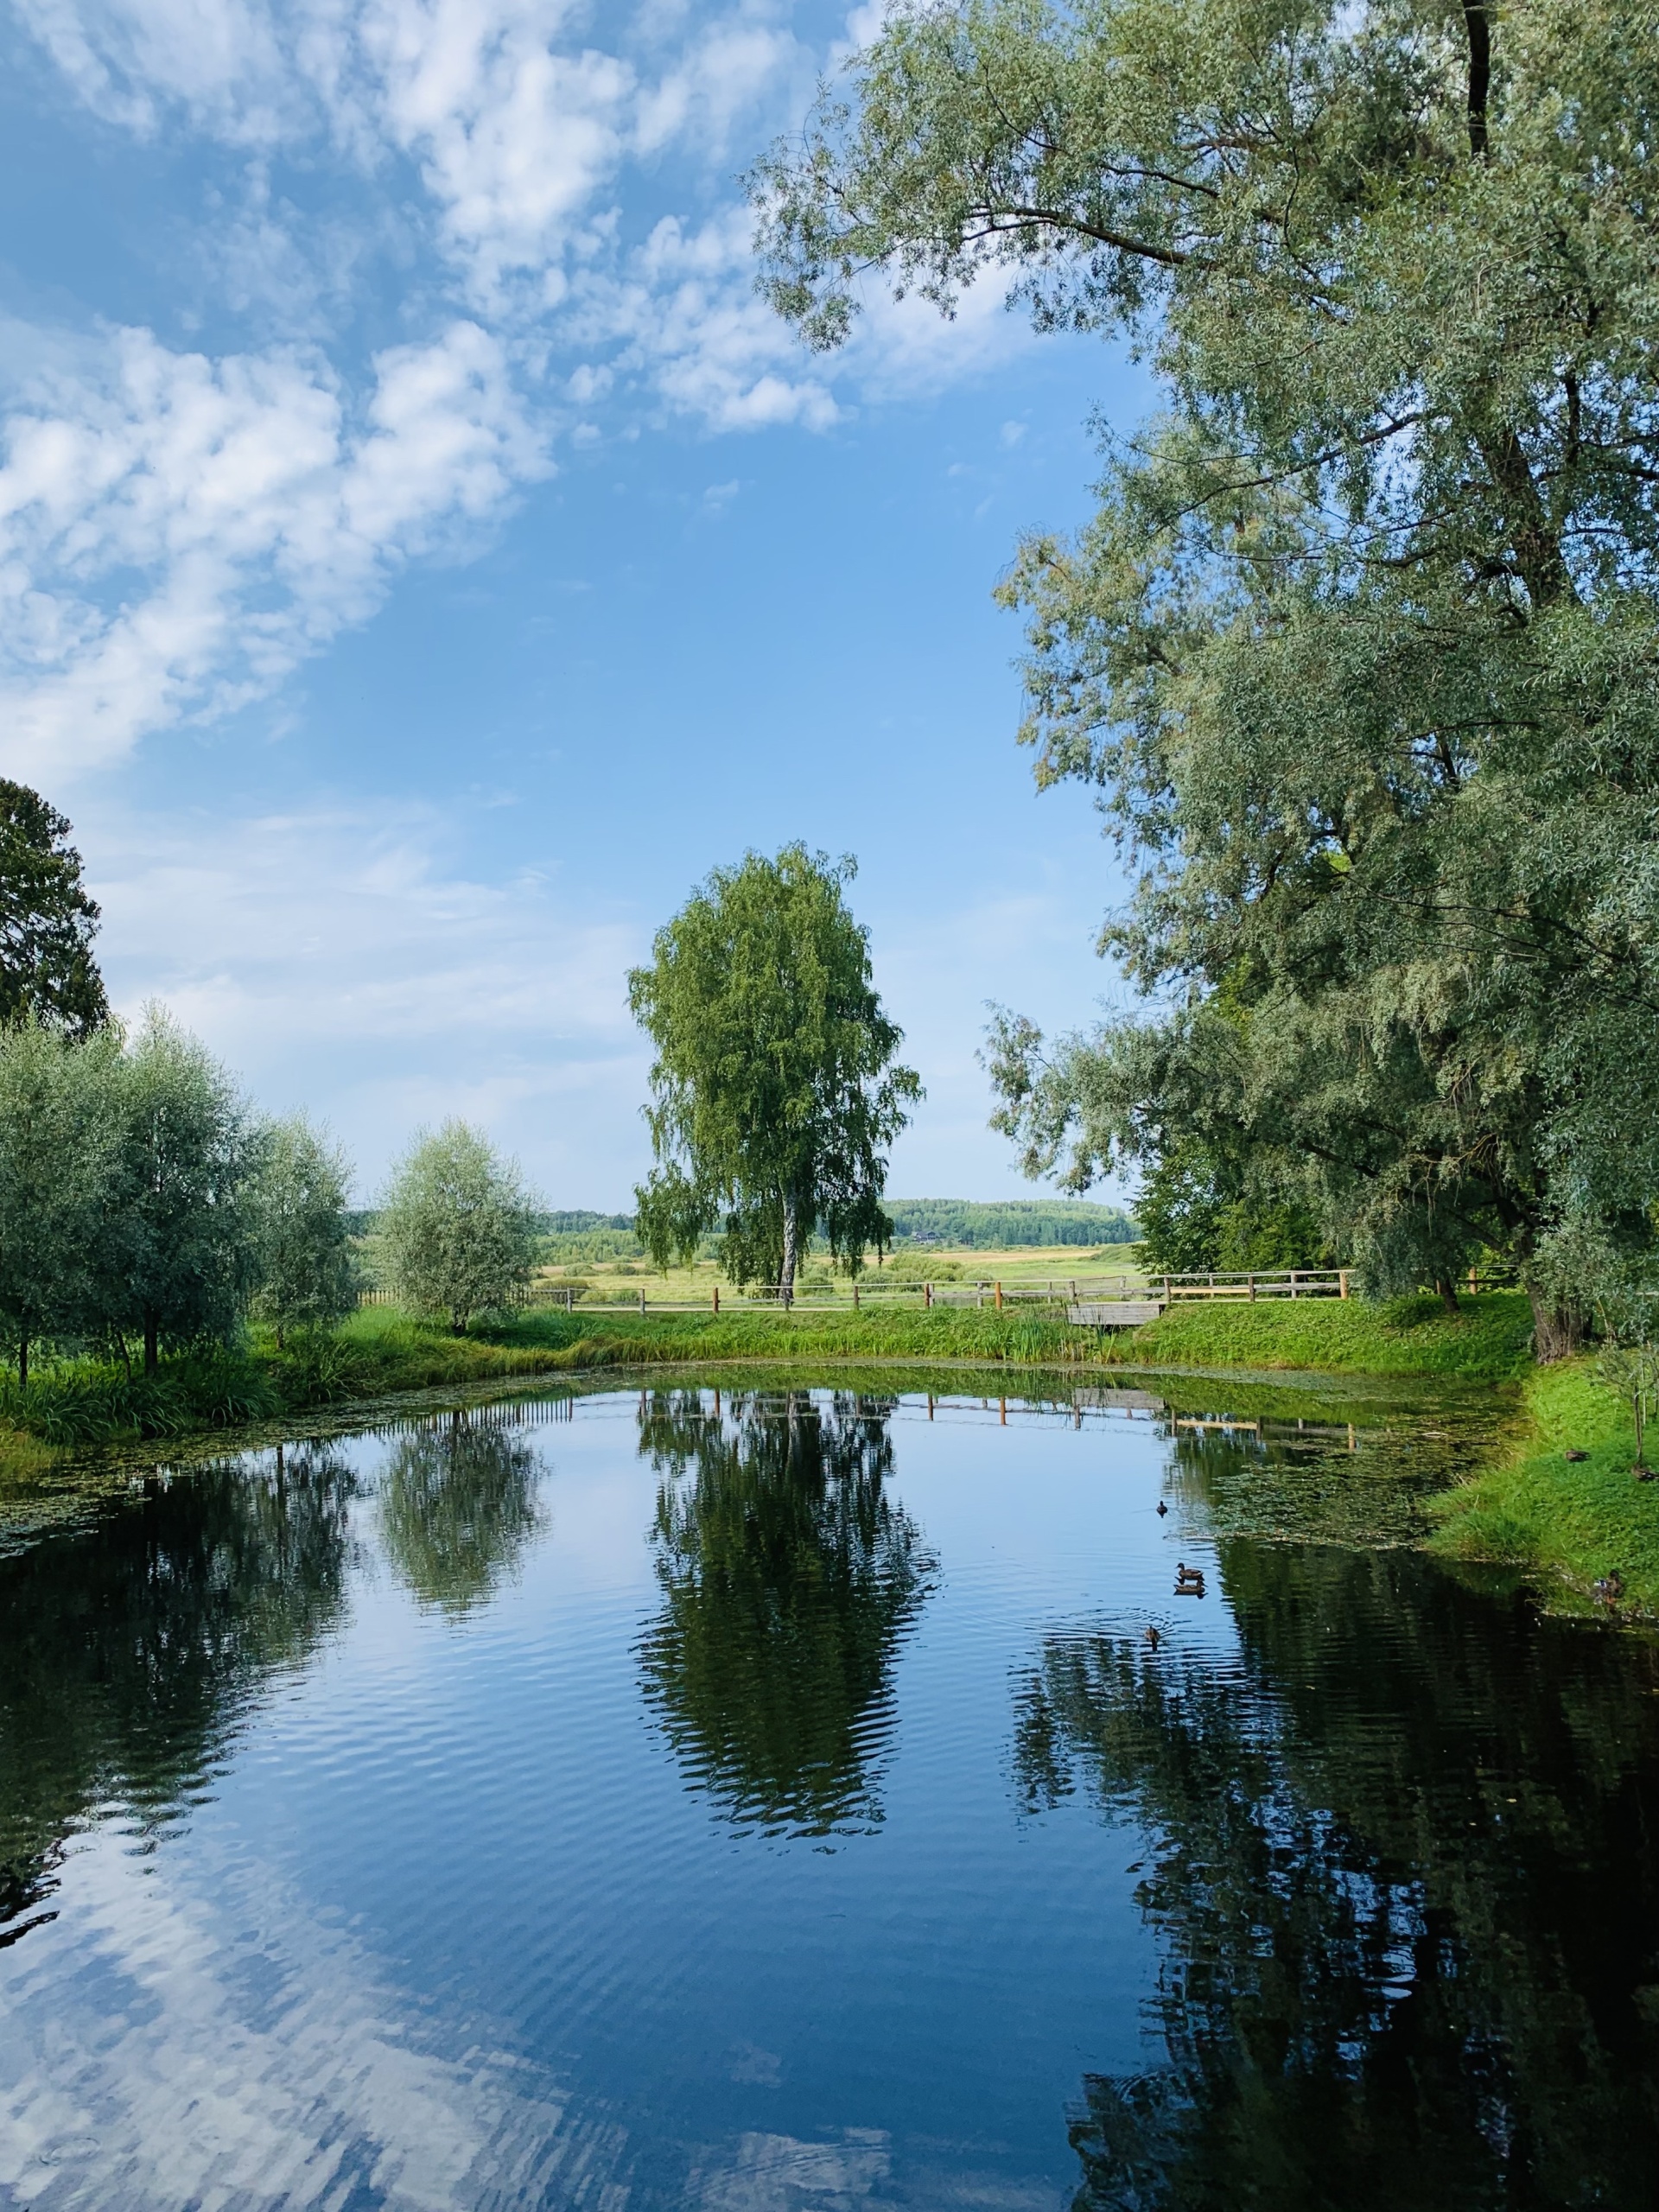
(786, 1274)
(1449, 1294)
(1557, 1330)
(152, 1347)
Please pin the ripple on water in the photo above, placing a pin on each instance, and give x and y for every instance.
(779, 1800)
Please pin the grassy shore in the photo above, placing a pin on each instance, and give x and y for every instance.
(381, 1353)
(1568, 1521)
(1487, 1341)
(1564, 1523)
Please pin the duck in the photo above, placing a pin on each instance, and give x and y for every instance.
(1610, 1588)
(1573, 1457)
(1162, 1509)
(1154, 1637)
(1189, 1580)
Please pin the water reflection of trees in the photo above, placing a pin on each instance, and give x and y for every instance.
(1405, 1871)
(458, 1504)
(127, 1649)
(789, 1578)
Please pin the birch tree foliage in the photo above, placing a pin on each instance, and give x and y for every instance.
(1359, 654)
(775, 1091)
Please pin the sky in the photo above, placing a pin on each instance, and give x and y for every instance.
(422, 557)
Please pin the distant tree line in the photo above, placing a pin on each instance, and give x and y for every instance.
(1005, 1222)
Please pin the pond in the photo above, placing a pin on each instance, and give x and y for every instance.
(796, 1800)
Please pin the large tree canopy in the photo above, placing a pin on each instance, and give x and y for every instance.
(775, 1095)
(1361, 649)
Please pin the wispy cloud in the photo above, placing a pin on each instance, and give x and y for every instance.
(354, 931)
(177, 530)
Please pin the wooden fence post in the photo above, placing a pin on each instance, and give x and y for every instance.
(642, 1301)
(716, 1297)
(1342, 1282)
(999, 1308)
(855, 1295)
(927, 1295)
(1251, 1281)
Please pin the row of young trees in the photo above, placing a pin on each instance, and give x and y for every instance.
(146, 1206)
(141, 1201)
(145, 1203)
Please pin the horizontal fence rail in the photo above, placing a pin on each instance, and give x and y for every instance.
(1120, 1300)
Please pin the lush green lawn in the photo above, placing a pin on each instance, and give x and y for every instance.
(380, 1352)
(1573, 1521)
(1488, 1341)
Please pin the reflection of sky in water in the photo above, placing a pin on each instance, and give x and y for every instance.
(456, 1923)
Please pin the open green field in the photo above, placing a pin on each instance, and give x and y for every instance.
(621, 1281)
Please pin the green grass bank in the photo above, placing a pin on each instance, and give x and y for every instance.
(1567, 1521)
(380, 1353)
(1488, 1341)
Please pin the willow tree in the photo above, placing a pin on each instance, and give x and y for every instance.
(457, 1226)
(1361, 651)
(775, 1091)
(176, 1251)
(308, 1273)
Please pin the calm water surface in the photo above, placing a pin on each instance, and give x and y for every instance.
(776, 1802)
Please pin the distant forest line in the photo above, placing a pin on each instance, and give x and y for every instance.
(578, 1233)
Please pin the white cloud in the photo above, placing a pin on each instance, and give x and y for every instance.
(905, 349)
(693, 329)
(731, 68)
(513, 136)
(341, 954)
(130, 60)
(195, 2092)
(176, 532)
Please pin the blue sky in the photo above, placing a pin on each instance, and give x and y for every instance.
(422, 557)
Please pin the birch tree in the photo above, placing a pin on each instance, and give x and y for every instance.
(774, 1092)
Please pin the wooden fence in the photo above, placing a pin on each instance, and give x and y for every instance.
(869, 1291)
